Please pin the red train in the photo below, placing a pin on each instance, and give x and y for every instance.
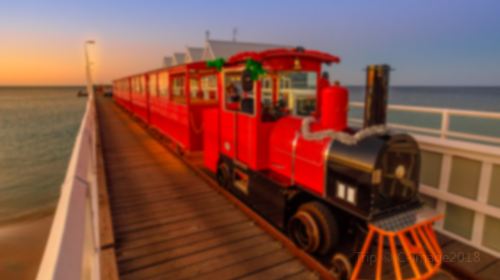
(274, 132)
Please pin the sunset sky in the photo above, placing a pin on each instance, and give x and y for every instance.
(439, 42)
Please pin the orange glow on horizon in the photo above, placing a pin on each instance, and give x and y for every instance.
(45, 62)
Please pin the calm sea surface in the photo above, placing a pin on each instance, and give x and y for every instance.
(467, 98)
(37, 129)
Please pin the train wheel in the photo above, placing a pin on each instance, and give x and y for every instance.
(304, 231)
(314, 228)
(224, 175)
(341, 266)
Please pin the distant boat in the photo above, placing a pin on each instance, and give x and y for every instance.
(104, 90)
(82, 93)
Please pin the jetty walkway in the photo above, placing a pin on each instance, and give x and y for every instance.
(168, 223)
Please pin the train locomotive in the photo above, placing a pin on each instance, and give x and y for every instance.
(279, 140)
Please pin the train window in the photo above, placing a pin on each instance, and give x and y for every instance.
(136, 85)
(194, 89)
(163, 84)
(267, 90)
(209, 87)
(178, 94)
(153, 83)
(208, 90)
(297, 92)
(268, 109)
(142, 81)
(140, 85)
(235, 99)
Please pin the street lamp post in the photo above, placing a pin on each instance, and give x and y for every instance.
(88, 67)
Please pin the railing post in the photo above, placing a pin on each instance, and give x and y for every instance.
(445, 123)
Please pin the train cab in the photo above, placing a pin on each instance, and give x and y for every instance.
(280, 82)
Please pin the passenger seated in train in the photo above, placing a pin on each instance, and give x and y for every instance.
(238, 100)
(233, 95)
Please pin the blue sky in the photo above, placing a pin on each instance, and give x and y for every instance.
(439, 42)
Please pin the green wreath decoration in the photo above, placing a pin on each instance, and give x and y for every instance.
(255, 68)
(217, 63)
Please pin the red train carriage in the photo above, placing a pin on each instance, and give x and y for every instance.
(121, 93)
(191, 88)
(171, 100)
(297, 162)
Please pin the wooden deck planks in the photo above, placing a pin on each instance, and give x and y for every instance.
(169, 224)
(472, 260)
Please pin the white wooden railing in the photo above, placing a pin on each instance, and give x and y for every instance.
(446, 116)
(487, 157)
(450, 146)
(72, 250)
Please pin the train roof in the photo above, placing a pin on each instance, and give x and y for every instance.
(284, 53)
(261, 56)
(198, 65)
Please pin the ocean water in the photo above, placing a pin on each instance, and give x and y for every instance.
(38, 127)
(466, 98)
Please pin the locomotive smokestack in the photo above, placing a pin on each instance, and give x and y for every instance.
(377, 89)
